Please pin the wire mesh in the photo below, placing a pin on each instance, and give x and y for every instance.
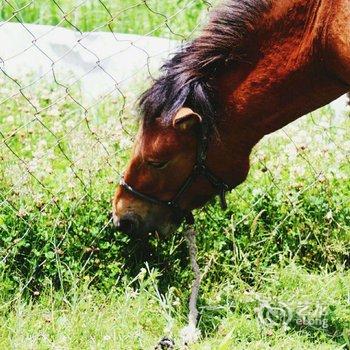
(64, 139)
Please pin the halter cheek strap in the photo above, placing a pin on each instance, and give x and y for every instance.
(199, 169)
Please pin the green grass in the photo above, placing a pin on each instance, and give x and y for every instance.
(175, 19)
(139, 317)
(68, 280)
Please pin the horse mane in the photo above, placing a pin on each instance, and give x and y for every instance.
(187, 79)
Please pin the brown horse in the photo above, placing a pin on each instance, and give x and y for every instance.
(257, 66)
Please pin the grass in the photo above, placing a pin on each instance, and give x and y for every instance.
(277, 258)
(317, 304)
(69, 280)
(174, 19)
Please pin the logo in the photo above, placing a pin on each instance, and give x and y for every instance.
(279, 314)
(274, 315)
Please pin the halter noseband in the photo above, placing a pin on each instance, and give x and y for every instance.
(199, 169)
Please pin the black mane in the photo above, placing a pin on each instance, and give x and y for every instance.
(188, 78)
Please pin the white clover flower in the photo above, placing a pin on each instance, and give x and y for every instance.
(22, 212)
(70, 124)
(133, 294)
(54, 111)
(257, 192)
(57, 127)
(346, 146)
(70, 184)
(324, 124)
(319, 138)
(329, 215)
(48, 169)
(291, 151)
(299, 170)
(125, 143)
(27, 148)
(33, 165)
(10, 119)
(50, 154)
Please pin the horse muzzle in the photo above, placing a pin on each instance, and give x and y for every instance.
(129, 223)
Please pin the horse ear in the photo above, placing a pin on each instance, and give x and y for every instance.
(185, 119)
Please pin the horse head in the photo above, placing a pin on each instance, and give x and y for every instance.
(176, 167)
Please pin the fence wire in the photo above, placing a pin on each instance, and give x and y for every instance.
(67, 120)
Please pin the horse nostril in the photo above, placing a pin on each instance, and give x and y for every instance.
(128, 224)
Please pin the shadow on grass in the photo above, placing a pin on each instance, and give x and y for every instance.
(158, 255)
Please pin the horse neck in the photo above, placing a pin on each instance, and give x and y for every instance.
(284, 75)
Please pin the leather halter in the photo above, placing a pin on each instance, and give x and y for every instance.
(199, 169)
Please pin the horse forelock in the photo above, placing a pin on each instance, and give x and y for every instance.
(188, 78)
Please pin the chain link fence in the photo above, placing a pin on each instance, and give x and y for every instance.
(68, 84)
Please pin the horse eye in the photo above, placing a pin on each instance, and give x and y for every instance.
(157, 165)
